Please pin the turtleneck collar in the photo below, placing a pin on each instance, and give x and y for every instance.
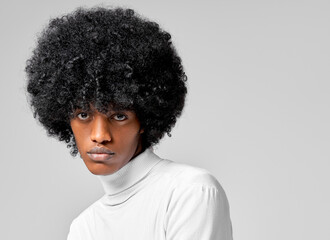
(119, 185)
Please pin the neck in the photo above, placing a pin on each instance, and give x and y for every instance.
(131, 173)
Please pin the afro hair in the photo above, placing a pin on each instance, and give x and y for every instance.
(105, 57)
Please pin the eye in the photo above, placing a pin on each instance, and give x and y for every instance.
(83, 116)
(119, 117)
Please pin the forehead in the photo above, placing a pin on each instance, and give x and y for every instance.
(103, 108)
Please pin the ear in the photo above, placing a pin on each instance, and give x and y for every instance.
(141, 130)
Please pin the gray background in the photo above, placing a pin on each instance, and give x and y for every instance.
(257, 116)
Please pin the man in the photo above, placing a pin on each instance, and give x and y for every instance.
(110, 84)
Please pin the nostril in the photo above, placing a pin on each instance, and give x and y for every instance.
(100, 137)
(100, 128)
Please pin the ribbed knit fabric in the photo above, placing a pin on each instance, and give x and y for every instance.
(150, 198)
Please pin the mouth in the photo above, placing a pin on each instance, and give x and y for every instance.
(100, 154)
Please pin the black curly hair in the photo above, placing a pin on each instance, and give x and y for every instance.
(105, 57)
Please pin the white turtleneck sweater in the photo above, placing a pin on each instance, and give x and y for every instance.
(150, 198)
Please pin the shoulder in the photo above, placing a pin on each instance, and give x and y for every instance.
(195, 199)
(83, 218)
(181, 176)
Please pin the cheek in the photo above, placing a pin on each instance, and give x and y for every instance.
(79, 135)
(129, 135)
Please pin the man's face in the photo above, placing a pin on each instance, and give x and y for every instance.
(106, 142)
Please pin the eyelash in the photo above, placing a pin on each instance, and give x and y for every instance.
(79, 114)
(119, 114)
(113, 116)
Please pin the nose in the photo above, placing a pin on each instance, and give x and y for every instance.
(100, 129)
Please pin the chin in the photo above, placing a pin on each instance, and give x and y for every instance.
(100, 169)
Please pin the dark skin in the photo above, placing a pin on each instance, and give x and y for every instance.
(106, 142)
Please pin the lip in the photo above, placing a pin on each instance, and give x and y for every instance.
(100, 154)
